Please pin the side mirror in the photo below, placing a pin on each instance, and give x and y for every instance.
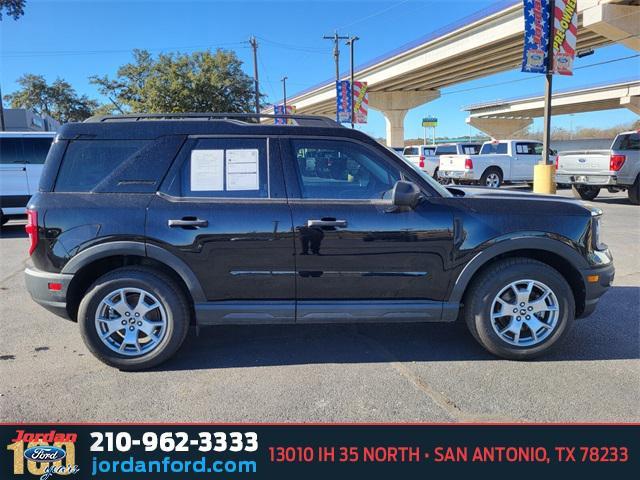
(405, 194)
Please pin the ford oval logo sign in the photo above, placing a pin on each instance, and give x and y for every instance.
(44, 454)
(582, 160)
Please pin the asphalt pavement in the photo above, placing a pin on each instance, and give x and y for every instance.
(364, 373)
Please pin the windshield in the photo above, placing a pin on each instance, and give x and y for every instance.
(427, 178)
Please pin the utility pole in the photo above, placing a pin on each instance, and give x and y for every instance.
(546, 138)
(254, 44)
(336, 55)
(1, 113)
(284, 93)
(351, 42)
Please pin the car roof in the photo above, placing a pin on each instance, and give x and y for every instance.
(27, 134)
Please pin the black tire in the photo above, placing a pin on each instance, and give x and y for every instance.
(585, 192)
(634, 192)
(157, 284)
(484, 289)
(440, 180)
(3, 219)
(492, 173)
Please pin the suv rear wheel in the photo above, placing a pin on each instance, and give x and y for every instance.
(133, 318)
(585, 192)
(634, 192)
(492, 178)
(519, 308)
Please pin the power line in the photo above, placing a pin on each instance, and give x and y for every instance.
(374, 14)
(532, 77)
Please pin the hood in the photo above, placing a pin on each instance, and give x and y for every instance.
(498, 193)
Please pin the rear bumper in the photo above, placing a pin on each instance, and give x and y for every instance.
(595, 289)
(457, 174)
(587, 179)
(38, 285)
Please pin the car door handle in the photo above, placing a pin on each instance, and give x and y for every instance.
(189, 222)
(327, 223)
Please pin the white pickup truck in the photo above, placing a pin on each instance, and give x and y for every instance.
(498, 162)
(427, 157)
(615, 169)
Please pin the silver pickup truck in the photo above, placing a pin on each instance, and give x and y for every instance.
(617, 169)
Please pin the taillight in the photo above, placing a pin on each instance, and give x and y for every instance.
(468, 164)
(557, 162)
(616, 162)
(32, 229)
(421, 164)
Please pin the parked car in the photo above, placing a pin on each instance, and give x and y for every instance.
(22, 155)
(145, 225)
(427, 157)
(616, 169)
(498, 162)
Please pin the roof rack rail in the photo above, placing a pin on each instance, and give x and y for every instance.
(304, 120)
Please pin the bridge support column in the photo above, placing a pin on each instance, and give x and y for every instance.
(394, 107)
(632, 103)
(619, 23)
(499, 128)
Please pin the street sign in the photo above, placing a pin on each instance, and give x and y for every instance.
(361, 101)
(536, 36)
(565, 30)
(343, 100)
(429, 122)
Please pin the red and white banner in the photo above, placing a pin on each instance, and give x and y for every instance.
(360, 102)
(565, 31)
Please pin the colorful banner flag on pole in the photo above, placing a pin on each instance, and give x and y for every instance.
(279, 110)
(361, 102)
(343, 100)
(565, 31)
(536, 36)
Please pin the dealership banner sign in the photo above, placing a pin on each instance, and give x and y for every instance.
(565, 32)
(536, 35)
(280, 110)
(293, 451)
(360, 101)
(343, 100)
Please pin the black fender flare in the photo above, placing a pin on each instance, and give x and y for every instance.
(140, 249)
(544, 244)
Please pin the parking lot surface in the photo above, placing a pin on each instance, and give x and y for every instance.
(396, 373)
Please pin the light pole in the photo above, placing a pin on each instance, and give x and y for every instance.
(284, 93)
(351, 43)
(336, 55)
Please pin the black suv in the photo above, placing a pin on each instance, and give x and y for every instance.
(145, 225)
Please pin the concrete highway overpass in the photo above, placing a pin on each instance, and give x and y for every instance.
(487, 42)
(503, 118)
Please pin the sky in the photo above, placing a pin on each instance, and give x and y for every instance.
(77, 39)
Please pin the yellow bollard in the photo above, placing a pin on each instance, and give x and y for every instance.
(544, 178)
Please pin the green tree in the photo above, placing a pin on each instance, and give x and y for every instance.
(13, 8)
(58, 99)
(198, 82)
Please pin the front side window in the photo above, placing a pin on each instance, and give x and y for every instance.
(332, 169)
(411, 151)
(222, 168)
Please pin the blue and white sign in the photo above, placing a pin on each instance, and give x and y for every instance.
(536, 36)
(343, 100)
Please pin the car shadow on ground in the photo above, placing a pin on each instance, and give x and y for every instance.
(611, 333)
(13, 230)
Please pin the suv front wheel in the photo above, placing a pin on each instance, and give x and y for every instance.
(519, 308)
(133, 318)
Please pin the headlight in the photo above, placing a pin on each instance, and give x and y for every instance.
(595, 233)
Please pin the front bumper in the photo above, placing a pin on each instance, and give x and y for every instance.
(39, 287)
(594, 289)
(579, 179)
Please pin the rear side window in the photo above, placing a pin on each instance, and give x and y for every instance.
(222, 168)
(628, 142)
(410, 151)
(493, 148)
(529, 148)
(471, 149)
(87, 162)
(428, 151)
(35, 149)
(10, 150)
